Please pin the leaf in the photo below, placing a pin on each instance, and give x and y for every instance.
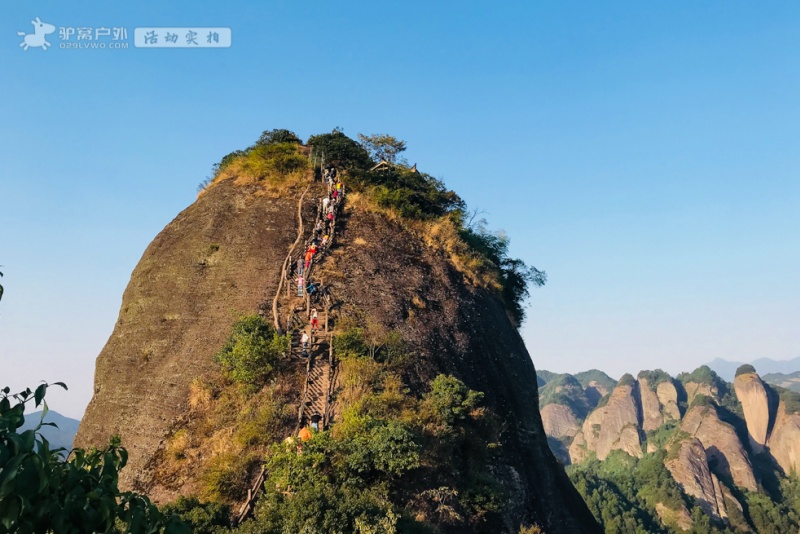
(8, 475)
(41, 418)
(60, 384)
(28, 480)
(28, 440)
(10, 512)
(39, 395)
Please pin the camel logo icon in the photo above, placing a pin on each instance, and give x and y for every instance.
(37, 38)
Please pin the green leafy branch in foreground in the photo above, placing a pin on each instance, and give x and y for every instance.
(39, 492)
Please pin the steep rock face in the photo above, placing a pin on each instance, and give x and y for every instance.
(219, 257)
(694, 389)
(178, 308)
(784, 442)
(599, 387)
(462, 331)
(668, 397)
(595, 391)
(722, 445)
(651, 407)
(690, 470)
(753, 395)
(559, 421)
(613, 426)
(578, 450)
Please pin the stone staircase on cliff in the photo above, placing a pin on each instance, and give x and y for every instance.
(320, 363)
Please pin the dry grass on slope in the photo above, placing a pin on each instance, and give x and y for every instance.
(443, 235)
(222, 440)
(275, 169)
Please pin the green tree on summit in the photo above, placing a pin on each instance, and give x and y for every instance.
(278, 136)
(382, 147)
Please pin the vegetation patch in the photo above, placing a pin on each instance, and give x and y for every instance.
(703, 375)
(567, 391)
(790, 399)
(596, 376)
(201, 517)
(627, 380)
(545, 376)
(276, 163)
(40, 491)
(662, 435)
(235, 415)
(654, 378)
(253, 351)
(392, 460)
(745, 369)
(623, 492)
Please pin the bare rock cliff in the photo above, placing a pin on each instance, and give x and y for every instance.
(219, 257)
(613, 426)
(784, 442)
(755, 401)
(559, 421)
(690, 470)
(694, 389)
(668, 397)
(651, 407)
(721, 444)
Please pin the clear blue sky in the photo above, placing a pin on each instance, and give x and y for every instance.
(644, 154)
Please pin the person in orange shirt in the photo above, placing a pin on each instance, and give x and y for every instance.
(304, 434)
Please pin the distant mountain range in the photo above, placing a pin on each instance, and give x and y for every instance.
(63, 436)
(788, 381)
(656, 453)
(764, 366)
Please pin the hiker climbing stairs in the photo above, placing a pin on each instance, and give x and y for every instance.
(318, 391)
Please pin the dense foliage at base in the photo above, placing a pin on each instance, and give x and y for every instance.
(40, 492)
(622, 493)
(392, 463)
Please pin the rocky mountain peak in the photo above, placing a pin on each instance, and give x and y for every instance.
(756, 403)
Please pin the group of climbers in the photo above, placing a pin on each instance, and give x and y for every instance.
(321, 239)
(322, 230)
(319, 242)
